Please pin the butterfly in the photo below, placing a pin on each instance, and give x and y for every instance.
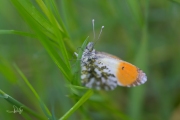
(103, 71)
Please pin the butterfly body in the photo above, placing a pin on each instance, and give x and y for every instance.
(101, 70)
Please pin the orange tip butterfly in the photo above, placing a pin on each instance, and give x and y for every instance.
(104, 71)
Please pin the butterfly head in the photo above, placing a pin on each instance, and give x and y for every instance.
(89, 53)
(90, 46)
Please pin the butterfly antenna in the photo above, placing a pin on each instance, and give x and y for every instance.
(99, 34)
(93, 29)
(96, 40)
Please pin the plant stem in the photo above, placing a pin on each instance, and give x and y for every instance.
(77, 105)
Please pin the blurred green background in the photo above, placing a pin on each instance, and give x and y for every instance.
(144, 33)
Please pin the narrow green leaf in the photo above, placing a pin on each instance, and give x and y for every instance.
(48, 14)
(17, 33)
(63, 49)
(18, 104)
(58, 35)
(77, 87)
(31, 14)
(43, 106)
(77, 66)
(57, 59)
(58, 16)
(41, 26)
(7, 70)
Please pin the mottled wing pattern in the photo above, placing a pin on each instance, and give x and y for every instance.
(96, 75)
(101, 70)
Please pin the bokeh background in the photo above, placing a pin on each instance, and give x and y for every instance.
(144, 33)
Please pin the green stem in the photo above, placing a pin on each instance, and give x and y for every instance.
(77, 105)
(18, 104)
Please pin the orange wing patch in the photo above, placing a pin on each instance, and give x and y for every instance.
(127, 73)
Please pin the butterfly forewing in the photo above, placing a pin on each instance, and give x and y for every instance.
(97, 75)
